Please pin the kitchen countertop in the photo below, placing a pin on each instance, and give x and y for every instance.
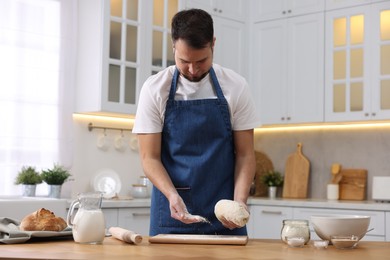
(121, 203)
(125, 203)
(255, 249)
(309, 203)
(321, 203)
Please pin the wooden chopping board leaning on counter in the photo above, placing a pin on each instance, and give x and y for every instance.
(296, 177)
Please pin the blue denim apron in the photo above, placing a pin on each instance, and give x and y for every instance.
(198, 154)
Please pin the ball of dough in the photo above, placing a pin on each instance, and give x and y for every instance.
(231, 211)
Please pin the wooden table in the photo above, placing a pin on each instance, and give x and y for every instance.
(255, 249)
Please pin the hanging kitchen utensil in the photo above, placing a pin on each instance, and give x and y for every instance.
(296, 176)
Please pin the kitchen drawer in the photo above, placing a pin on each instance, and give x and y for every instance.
(134, 219)
(377, 220)
(266, 221)
(111, 217)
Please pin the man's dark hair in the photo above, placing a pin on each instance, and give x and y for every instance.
(194, 26)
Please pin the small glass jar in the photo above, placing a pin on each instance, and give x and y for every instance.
(295, 228)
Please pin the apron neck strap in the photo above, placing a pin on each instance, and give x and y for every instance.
(216, 85)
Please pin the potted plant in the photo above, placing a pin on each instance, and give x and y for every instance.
(29, 177)
(273, 179)
(55, 177)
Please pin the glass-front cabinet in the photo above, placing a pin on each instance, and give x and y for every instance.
(381, 69)
(357, 84)
(121, 43)
(122, 65)
(162, 48)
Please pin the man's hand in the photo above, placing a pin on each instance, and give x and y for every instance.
(179, 211)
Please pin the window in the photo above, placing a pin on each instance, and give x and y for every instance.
(36, 66)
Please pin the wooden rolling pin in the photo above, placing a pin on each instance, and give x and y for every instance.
(125, 235)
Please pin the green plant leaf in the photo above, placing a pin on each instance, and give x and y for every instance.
(57, 175)
(28, 175)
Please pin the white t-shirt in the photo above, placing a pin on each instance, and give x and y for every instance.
(155, 91)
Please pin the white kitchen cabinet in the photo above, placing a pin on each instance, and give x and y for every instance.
(387, 231)
(92, 80)
(134, 219)
(377, 220)
(230, 31)
(267, 221)
(232, 9)
(230, 44)
(110, 217)
(357, 77)
(287, 71)
(338, 4)
(115, 52)
(263, 10)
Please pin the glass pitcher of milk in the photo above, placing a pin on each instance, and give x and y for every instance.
(88, 224)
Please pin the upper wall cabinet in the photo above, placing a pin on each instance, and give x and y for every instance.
(232, 9)
(107, 40)
(121, 43)
(230, 44)
(337, 4)
(287, 72)
(357, 81)
(230, 33)
(263, 10)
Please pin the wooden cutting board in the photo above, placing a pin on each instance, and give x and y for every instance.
(296, 176)
(199, 239)
(263, 165)
(353, 184)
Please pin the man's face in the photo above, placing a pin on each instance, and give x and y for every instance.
(193, 64)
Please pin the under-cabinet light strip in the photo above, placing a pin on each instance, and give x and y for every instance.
(341, 126)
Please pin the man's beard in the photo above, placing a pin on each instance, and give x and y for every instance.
(195, 79)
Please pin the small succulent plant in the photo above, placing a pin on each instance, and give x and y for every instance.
(28, 175)
(272, 179)
(57, 175)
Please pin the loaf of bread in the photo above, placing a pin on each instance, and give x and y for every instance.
(42, 220)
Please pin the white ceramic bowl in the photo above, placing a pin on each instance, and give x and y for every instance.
(145, 181)
(139, 191)
(336, 225)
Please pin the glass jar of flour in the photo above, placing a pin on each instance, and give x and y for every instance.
(295, 228)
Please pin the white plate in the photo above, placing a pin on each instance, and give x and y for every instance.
(108, 182)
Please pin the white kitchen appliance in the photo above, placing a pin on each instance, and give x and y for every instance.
(381, 188)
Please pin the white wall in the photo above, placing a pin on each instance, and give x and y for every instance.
(364, 147)
(89, 159)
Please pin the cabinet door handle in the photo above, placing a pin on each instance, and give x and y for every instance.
(373, 114)
(271, 212)
(144, 214)
(289, 11)
(366, 114)
(284, 12)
